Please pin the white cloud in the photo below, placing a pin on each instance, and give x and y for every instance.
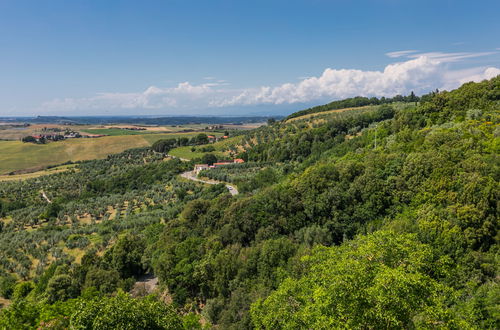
(459, 77)
(182, 96)
(420, 73)
(450, 57)
(400, 53)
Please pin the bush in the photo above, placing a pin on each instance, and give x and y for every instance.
(7, 283)
(124, 312)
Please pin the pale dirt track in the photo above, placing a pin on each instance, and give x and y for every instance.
(190, 175)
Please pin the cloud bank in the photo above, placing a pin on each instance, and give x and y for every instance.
(418, 72)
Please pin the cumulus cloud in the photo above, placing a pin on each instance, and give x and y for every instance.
(181, 96)
(420, 72)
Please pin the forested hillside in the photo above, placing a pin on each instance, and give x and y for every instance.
(385, 216)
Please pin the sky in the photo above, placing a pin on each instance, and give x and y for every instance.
(74, 58)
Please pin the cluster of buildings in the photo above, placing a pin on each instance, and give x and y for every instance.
(52, 137)
(200, 167)
(214, 127)
(213, 138)
(67, 135)
(133, 128)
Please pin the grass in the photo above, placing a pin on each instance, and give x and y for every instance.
(315, 114)
(151, 138)
(186, 153)
(17, 156)
(114, 131)
(36, 174)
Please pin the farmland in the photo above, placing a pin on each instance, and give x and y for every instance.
(30, 175)
(400, 196)
(222, 149)
(16, 156)
(114, 131)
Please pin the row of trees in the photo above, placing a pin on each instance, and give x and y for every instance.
(165, 145)
(359, 101)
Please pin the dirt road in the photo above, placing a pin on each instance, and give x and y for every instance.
(190, 175)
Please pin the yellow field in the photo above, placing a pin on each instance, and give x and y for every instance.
(36, 174)
(310, 115)
(17, 156)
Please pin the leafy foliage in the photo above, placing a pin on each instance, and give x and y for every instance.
(384, 216)
(123, 312)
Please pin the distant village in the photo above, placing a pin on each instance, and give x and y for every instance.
(57, 134)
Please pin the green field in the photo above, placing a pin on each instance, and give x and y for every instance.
(220, 147)
(151, 138)
(25, 176)
(17, 156)
(115, 131)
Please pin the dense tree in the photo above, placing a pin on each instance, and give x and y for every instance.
(29, 138)
(126, 256)
(7, 283)
(60, 287)
(383, 216)
(200, 139)
(106, 281)
(209, 159)
(164, 145)
(123, 312)
(378, 281)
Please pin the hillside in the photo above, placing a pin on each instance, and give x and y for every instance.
(380, 216)
(18, 156)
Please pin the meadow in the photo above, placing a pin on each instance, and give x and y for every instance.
(16, 156)
(322, 113)
(114, 131)
(221, 149)
(30, 175)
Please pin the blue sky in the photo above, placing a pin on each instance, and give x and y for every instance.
(235, 57)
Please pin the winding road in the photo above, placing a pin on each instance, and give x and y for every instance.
(190, 175)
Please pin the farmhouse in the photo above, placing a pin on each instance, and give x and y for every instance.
(200, 167)
(222, 164)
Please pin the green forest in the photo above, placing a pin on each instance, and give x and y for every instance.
(383, 216)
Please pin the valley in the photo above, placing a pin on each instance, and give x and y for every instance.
(388, 212)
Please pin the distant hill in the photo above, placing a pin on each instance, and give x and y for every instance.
(146, 120)
(353, 102)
